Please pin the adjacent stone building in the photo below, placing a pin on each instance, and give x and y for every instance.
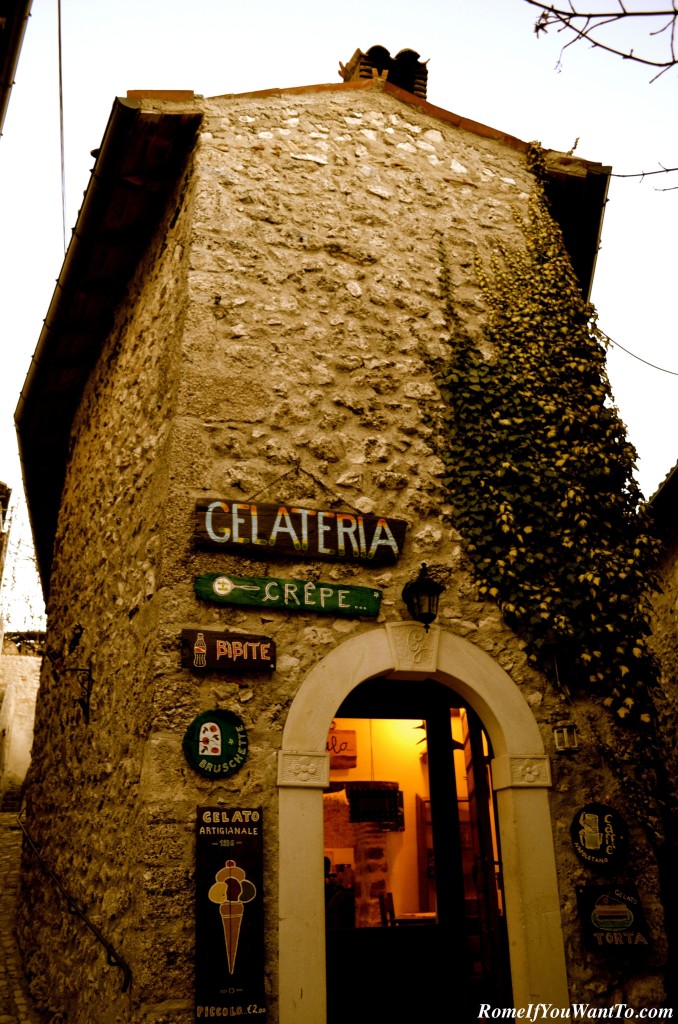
(247, 324)
(5, 494)
(663, 505)
(19, 677)
(20, 656)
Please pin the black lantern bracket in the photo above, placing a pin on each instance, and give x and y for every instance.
(81, 685)
(421, 597)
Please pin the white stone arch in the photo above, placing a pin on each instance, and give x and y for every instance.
(521, 777)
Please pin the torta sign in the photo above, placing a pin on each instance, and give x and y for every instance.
(265, 530)
(613, 918)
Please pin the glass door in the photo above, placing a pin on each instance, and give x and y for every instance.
(411, 859)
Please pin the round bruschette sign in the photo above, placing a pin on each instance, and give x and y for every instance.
(215, 743)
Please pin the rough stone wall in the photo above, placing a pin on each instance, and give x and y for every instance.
(665, 645)
(83, 795)
(314, 310)
(665, 607)
(280, 345)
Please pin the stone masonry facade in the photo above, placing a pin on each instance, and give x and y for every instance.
(279, 341)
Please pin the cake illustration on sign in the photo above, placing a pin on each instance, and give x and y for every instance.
(611, 914)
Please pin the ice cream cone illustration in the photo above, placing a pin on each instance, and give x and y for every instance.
(231, 890)
(231, 918)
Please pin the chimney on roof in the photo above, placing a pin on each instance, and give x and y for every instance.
(404, 70)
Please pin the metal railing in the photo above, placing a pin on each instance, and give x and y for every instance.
(74, 907)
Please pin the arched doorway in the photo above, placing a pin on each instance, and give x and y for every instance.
(414, 908)
(520, 779)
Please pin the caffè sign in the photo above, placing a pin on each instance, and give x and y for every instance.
(263, 530)
(599, 835)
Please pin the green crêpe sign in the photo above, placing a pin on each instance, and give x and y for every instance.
(288, 595)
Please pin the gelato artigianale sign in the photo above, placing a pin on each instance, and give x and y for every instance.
(229, 964)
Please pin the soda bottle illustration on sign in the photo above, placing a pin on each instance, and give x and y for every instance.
(200, 651)
(231, 891)
(209, 740)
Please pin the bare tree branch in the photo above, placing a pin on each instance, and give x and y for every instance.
(594, 26)
(646, 174)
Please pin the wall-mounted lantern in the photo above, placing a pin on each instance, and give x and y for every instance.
(565, 737)
(81, 687)
(421, 597)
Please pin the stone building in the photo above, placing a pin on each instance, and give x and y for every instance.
(227, 453)
(663, 505)
(5, 494)
(19, 677)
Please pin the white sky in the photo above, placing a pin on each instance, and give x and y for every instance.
(485, 63)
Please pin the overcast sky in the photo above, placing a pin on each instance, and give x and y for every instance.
(485, 63)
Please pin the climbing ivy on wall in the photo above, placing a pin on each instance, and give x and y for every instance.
(540, 472)
(540, 480)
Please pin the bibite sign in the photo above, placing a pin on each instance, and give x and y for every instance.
(210, 651)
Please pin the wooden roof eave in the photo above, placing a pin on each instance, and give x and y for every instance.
(137, 167)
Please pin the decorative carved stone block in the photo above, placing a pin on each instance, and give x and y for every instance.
(530, 771)
(413, 649)
(296, 768)
(511, 772)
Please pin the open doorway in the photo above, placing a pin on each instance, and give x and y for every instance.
(414, 903)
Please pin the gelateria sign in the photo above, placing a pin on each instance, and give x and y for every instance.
(229, 946)
(265, 530)
(288, 595)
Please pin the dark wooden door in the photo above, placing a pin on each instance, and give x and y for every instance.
(485, 920)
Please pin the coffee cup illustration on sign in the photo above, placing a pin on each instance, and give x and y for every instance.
(590, 836)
